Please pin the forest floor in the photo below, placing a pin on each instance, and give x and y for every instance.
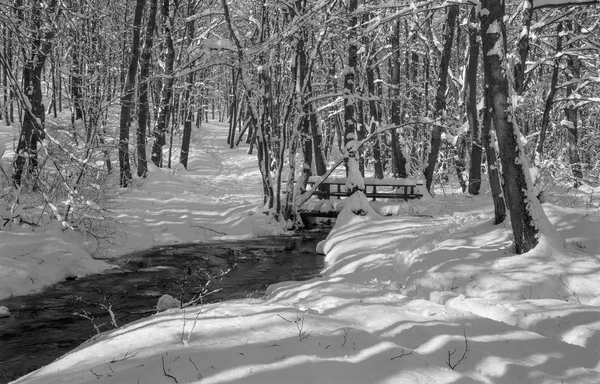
(431, 294)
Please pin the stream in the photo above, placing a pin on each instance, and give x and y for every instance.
(46, 325)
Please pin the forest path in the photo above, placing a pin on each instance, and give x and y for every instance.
(213, 198)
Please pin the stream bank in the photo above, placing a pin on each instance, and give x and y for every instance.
(46, 325)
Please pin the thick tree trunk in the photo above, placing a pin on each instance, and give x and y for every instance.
(471, 105)
(354, 181)
(440, 97)
(127, 97)
(144, 107)
(167, 86)
(32, 128)
(517, 190)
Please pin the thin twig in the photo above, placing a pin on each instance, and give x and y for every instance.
(195, 366)
(402, 354)
(464, 355)
(165, 371)
(127, 356)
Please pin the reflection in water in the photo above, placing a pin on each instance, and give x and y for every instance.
(46, 325)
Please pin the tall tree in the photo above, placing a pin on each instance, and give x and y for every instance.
(524, 207)
(189, 113)
(303, 82)
(471, 104)
(144, 107)
(167, 85)
(127, 98)
(571, 110)
(398, 146)
(493, 166)
(551, 92)
(35, 58)
(375, 114)
(523, 46)
(440, 97)
(355, 182)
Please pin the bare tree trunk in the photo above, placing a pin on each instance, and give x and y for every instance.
(32, 128)
(471, 105)
(232, 107)
(398, 158)
(523, 47)
(75, 78)
(54, 86)
(354, 182)
(167, 86)
(375, 118)
(489, 143)
(187, 125)
(571, 113)
(551, 92)
(440, 97)
(8, 55)
(517, 190)
(317, 141)
(144, 107)
(127, 97)
(305, 133)
(459, 161)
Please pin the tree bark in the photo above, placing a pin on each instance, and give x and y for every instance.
(76, 92)
(440, 97)
(523, 47)
(32, 128)
(354, 181)
(375, 117)
(144, 107)
(127, 97)
(167, 86)
(551, 93)
(320, 165)
(187, 125)
(301, 87)
(471, 105)
(571, 113)
(398, 158)
(489, 143)
(459, 161)
(518, 191)
(5, 91)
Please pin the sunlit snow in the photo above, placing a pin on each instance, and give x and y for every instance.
(432, 294)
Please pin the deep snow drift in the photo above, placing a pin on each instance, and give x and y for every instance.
(433, 294)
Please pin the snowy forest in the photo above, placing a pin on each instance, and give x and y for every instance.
(418, 89)
(157, 157)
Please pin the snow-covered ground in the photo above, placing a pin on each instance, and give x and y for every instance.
(432, 295)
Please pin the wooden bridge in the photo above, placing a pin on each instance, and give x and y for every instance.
(399, 189)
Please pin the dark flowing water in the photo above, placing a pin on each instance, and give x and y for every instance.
(44, 326)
